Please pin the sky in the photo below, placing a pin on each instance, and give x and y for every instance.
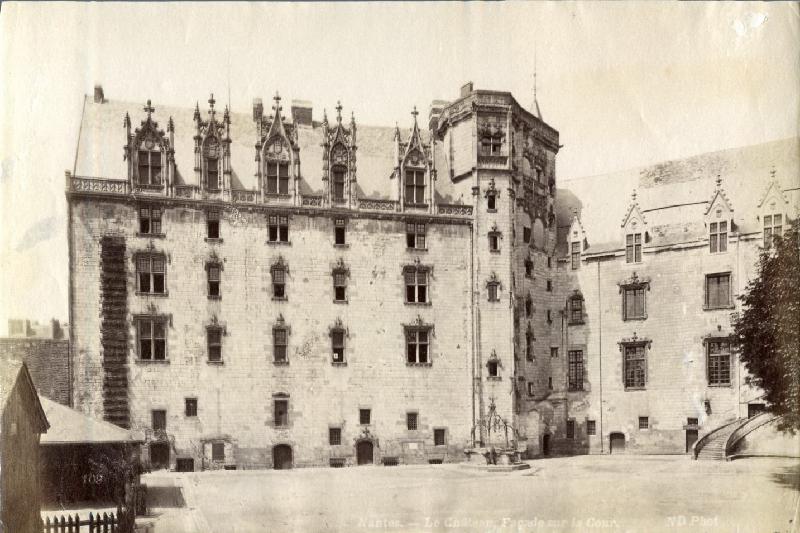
(626, 84)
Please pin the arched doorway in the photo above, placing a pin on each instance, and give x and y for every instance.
(282, 457)
(546, 444)
(364, 452)
(616, 443)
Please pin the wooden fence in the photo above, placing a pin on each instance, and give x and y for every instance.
(119, 522)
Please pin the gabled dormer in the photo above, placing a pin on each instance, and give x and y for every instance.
(339, 160)
(772, 211)
(212, 151)
(634, 231)
(718, 220)
(150, 154)
(576, 241)
(415, 172)
(277, 155)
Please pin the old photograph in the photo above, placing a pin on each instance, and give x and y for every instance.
(400, 266)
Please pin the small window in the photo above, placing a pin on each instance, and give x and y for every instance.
(277, 177)
(213, 272)
(635, 364)
(279, 344)
(529, 344)
(214, 338)
(576, 310)
(493, 291)
(526, 234)
(633, 305)
(718, 362)
(718, 291)
(417, 345)
(691, 421)
(554, 351)
(151, 273)
(339, 232)
(415, 236)
(411, 421)
(335, 436)
(591, 427)
(644, 422)
(152, 334)
(491, 202)
(549, 262)
(212, 225)
(159, 419)
(575, 370)
(549, 286)
(550, 383)
(416, 280)
(415, 187)
(575, 255)
(549, 316)
(439, 437)
(364, 416)
(528, 306)
(191, 406)
(531, 389)
(217, 451)
(633, 248)
(491, 145)
(337, 346)
(281, 408)
(340, 285)
(279, 282)
(150, 220)
(493, 369)
(278, 228)
(718, 237)
(338, 184)
(494, 241)
(570, 429)
(528, 268)
(773, 228)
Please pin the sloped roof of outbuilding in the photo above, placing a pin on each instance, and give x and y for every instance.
(13, 373)
(68, 426)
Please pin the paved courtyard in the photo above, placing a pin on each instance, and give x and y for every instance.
(588, 493)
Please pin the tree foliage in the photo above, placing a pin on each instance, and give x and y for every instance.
(768, 328)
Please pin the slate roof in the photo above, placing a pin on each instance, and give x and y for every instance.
(102, 137)
(675, 195)
(68, 426)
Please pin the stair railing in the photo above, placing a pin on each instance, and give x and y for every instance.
(702, 442)
(745, 429)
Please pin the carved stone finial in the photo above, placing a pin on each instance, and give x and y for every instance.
(719, 181)
(149, 109)
(127, 121)
(772, 172)
(633, 196)
(277, 107)
(338, 111)
(197, 111)
(211, 102)
(414, 113)
(170, 125)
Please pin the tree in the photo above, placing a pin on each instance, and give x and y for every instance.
(768, 328)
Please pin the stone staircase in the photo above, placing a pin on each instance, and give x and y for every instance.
(712, 446)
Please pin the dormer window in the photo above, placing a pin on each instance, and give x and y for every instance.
(149, 165)
(277, 177)
(211, 160)
(718, 237)
(773, 228)
(338, 183)
(575, 255)
(415, 187)
(633, 248)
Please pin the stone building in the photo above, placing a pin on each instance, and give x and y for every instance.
(275, 290)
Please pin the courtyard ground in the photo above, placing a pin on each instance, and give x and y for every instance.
(575, 494)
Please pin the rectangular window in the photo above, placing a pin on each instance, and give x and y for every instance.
(719, 362)
(635, 366)
(549, 286)
(633, 248)
(152, 339)
(718, 237)
(364, 416)
(212, 173)
(159, 419)
(529, 345)
(339, 231)
(591, 427)
(417, 344)
(491, 202)
(491, 146)
(279, 344)
(212, 225)
(335, 436)
(191, 406)
(281, 408)
(411, 421)
(570, 429)
(279, 283)
(576, 311)
(277, 178)
(214, 340)
(149, 164)
(575, 255)
(550, 382)
(213, 281)
(415, 187)
(773, 228)
(718, 290)
(526, 234)
(217, 451)
(416, 280)
(575, 369)
(549, 317)
(531, 389)
(554, 351)
(644, 422)
(338, 184)
(151, 271)
(278, 228)
(439, 437)
(150, 220)
(528, 268)
(493, 293)
(634, 303)
(337, 345)
(340, 286)
(415, 236)
(494, 242)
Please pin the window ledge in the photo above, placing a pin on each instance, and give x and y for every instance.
(149, 187)
(422, 304)
(279, 243)
(494, 378)
(576, 390)
(280, 363)
(155, 294)
(280, 299)
(424, 365)
(216, 363)
(214, 240)
(343, 246)
(140, 361)
(720, 385)
(151, 235)
(339, 363)
(494, 251)
(413, 249)
(412, 204)
(634, 389)
(491, 210)
(718, 307)
(341, 302)
(634, 318)
(212, 297)
(282, 195)
(576, 323)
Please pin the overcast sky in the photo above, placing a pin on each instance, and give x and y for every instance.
(626, 84)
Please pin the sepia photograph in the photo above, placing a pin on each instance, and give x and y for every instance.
(492, 267)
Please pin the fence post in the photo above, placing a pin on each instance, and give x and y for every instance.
(91, 523)
(47, 524)
(63, 528)
(105, 522)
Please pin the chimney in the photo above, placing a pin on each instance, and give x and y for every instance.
(99, 98)
(301, 112)
(437, 106)
(258, 109)
(466, 89)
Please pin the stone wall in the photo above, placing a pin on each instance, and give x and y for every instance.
(48, 363)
